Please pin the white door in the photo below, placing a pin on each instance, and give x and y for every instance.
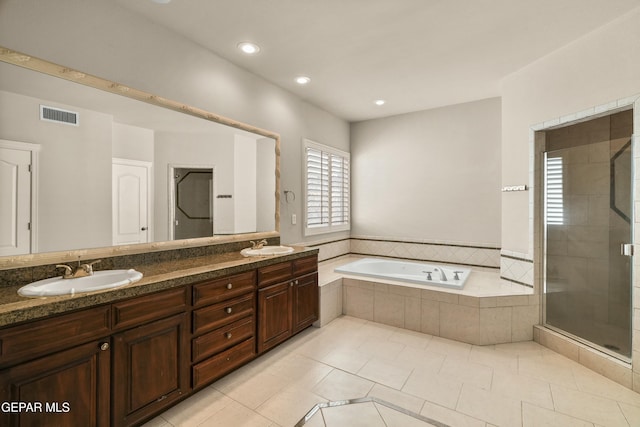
(15, 202)
(130, 190)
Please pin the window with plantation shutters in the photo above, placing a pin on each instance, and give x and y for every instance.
(554, 191)
(327, 189)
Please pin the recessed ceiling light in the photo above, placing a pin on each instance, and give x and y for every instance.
(161, 1)
(302, 80)
(249, 48)
(379, 102)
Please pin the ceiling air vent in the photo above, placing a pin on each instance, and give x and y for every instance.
(57, 115)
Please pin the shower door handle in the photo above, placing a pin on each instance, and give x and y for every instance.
(626, 249)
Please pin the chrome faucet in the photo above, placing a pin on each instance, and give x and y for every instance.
(81, 270)
(259, 244)
(443, 277)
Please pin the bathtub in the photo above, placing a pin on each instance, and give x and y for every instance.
(405, 271)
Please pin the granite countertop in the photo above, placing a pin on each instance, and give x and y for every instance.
(156, 277)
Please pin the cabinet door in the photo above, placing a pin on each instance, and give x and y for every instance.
(150, 369)
(69, 388)
(305, 302)
(275, 322)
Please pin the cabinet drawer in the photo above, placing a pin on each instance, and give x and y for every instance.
(222, 338)
(305, 265)
(215, 316)
(136, 311)
(55, 333)
(275, 273)
(217, 366)
(222, 289)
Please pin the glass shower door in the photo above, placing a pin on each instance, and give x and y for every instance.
(588, 211)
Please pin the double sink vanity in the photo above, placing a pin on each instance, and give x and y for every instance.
(178, 300)
(121, 356)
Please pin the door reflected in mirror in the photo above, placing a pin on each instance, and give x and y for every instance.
(193, 207)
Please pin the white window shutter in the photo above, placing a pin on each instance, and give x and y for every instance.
(327, 192)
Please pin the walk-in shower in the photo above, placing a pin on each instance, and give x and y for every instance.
(588, 213)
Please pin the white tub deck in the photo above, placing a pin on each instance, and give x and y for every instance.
(482, 282)
(489, 310)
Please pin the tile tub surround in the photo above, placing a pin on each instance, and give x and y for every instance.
(471, 254)
(159, 275)
(331, 248)
(488, 310)
(511, 385)
(516, 268)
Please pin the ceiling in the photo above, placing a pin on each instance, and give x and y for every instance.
(414, 54)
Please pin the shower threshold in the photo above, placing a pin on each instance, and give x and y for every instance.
(602, 348)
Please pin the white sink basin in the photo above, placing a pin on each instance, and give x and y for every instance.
(104, 279)
(267, 250)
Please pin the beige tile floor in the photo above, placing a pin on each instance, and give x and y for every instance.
(511, 385)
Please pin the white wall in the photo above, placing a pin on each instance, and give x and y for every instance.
(431, 175)
(74, 188)
(101, 38)
(132, 142)
(594, 70)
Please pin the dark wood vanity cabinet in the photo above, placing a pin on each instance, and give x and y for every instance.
(305, 301)
(223, 326)
(68, 388)
(60, 366)
(122, 363)
(287, 300)
(275, 323)
(150, 367)
(115, 364)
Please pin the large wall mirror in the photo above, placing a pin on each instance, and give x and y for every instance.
(88, 163)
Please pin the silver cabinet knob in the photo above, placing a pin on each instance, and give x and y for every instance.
(104, 346)
(228, 310)
(228, 335)
(230, 286)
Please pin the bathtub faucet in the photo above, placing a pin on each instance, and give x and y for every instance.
(443, 277)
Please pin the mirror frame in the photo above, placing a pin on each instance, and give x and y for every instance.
(35, 64)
